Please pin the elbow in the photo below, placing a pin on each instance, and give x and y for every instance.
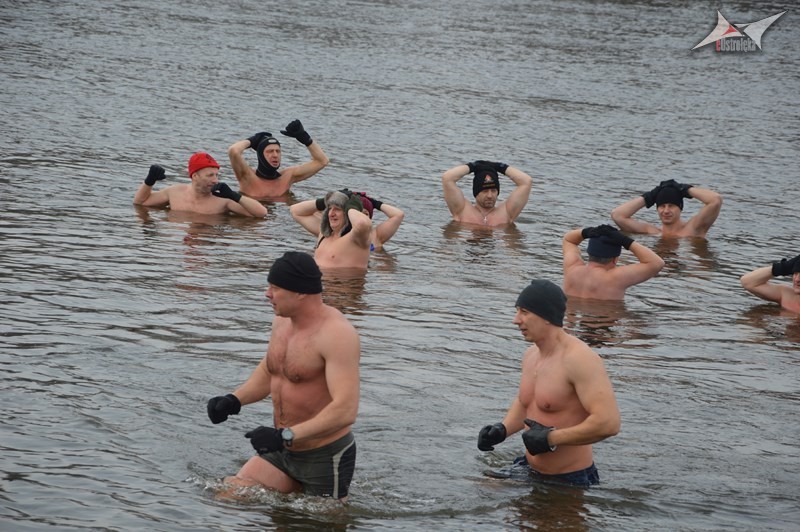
(658, 264)
(616, 216)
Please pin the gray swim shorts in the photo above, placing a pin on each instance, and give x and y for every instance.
(326, 471)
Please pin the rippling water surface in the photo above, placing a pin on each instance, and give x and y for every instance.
(119, 323)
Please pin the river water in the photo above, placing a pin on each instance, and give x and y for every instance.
(119, 323)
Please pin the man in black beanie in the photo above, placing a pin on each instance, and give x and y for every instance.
(485, 189)
(311, 372)
(668, 197)
(757, 283)
(600, 277)
(266, 181)
(565, 401)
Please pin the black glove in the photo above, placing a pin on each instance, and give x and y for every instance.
(491, 435)
(222, 190)
(684, 188)
(156, 173)
(589, 232)
(295, 129)
(784, 266)
(256, 139)
(650, 197)
(501, 167)
(266, 439)
(222, 406)
(535, 439)
(614, 235)
(376, 204)
(321, 203)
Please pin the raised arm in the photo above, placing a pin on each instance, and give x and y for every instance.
(305, 214)
(145, 195)
(703, 220)
(649, 266)
(623, 217)
(570, 249)
(318, 160)
(452, 194)
(757, 281)
(361, 226)
(241, 169)
(519, 196)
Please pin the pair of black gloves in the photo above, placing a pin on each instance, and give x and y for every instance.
(786, 266)
(353, 201)
(263, 439)
(535, 438)
(612, 233)
(487, 165)
(650, 196)
(220, 190)
(294, 129)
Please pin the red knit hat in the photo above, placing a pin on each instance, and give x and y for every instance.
(201, 160)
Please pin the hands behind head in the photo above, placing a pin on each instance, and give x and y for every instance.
(256, 139)
(610, 232)
(487, 165)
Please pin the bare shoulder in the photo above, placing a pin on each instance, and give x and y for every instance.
(580, 357)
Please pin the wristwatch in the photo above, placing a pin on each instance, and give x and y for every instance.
(288, 437)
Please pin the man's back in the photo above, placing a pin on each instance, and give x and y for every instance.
(594, 281)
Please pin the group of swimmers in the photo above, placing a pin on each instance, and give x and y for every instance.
(565, 401)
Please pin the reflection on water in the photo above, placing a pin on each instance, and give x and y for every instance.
(604, 323)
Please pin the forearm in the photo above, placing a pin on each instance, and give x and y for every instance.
(317, 154)
(592, 430)
(756, 278)
(520, 178)
(336, 416)
(253, 207)
(142, 194)
(256, 387)
(574, 237)
(514, 418)
(709, 197)
(646, 255)
(627, 209)
(453, 176)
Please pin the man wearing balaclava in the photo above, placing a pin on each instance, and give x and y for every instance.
(267, 180)
(565, 401)
(342, 229)
(486, 210)
(668, 197)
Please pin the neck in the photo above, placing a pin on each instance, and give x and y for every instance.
(551, 342)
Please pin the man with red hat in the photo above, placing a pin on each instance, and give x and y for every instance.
(204, 195)
(485, 189)
(266, 181)
(668, 197)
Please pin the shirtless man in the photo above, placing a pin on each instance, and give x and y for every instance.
(311, 371)
(343, 230)
(757, 283)
(668, 197)
(601, 278)
(205, 194)
(565, 401)
(485, 189)
(266, 181)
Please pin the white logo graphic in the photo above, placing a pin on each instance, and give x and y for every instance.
(750, 34)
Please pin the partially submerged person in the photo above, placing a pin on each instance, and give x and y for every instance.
(343, 231)
(485, 189)
(668, 197)
(204, 195)
(266, 181)
(601, 277)
(314, 385)
(565, 401)
(757, 283)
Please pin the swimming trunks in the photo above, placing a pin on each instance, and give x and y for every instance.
(325, 472)
(521, 470)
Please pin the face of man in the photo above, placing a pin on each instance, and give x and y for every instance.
(336, 218)
(204, 179)
(487, 199)
(272, 153)
(669, 213)
(530, 324)
(283, 301)
(796, 282)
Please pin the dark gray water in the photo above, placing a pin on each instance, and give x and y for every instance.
(118, 324)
